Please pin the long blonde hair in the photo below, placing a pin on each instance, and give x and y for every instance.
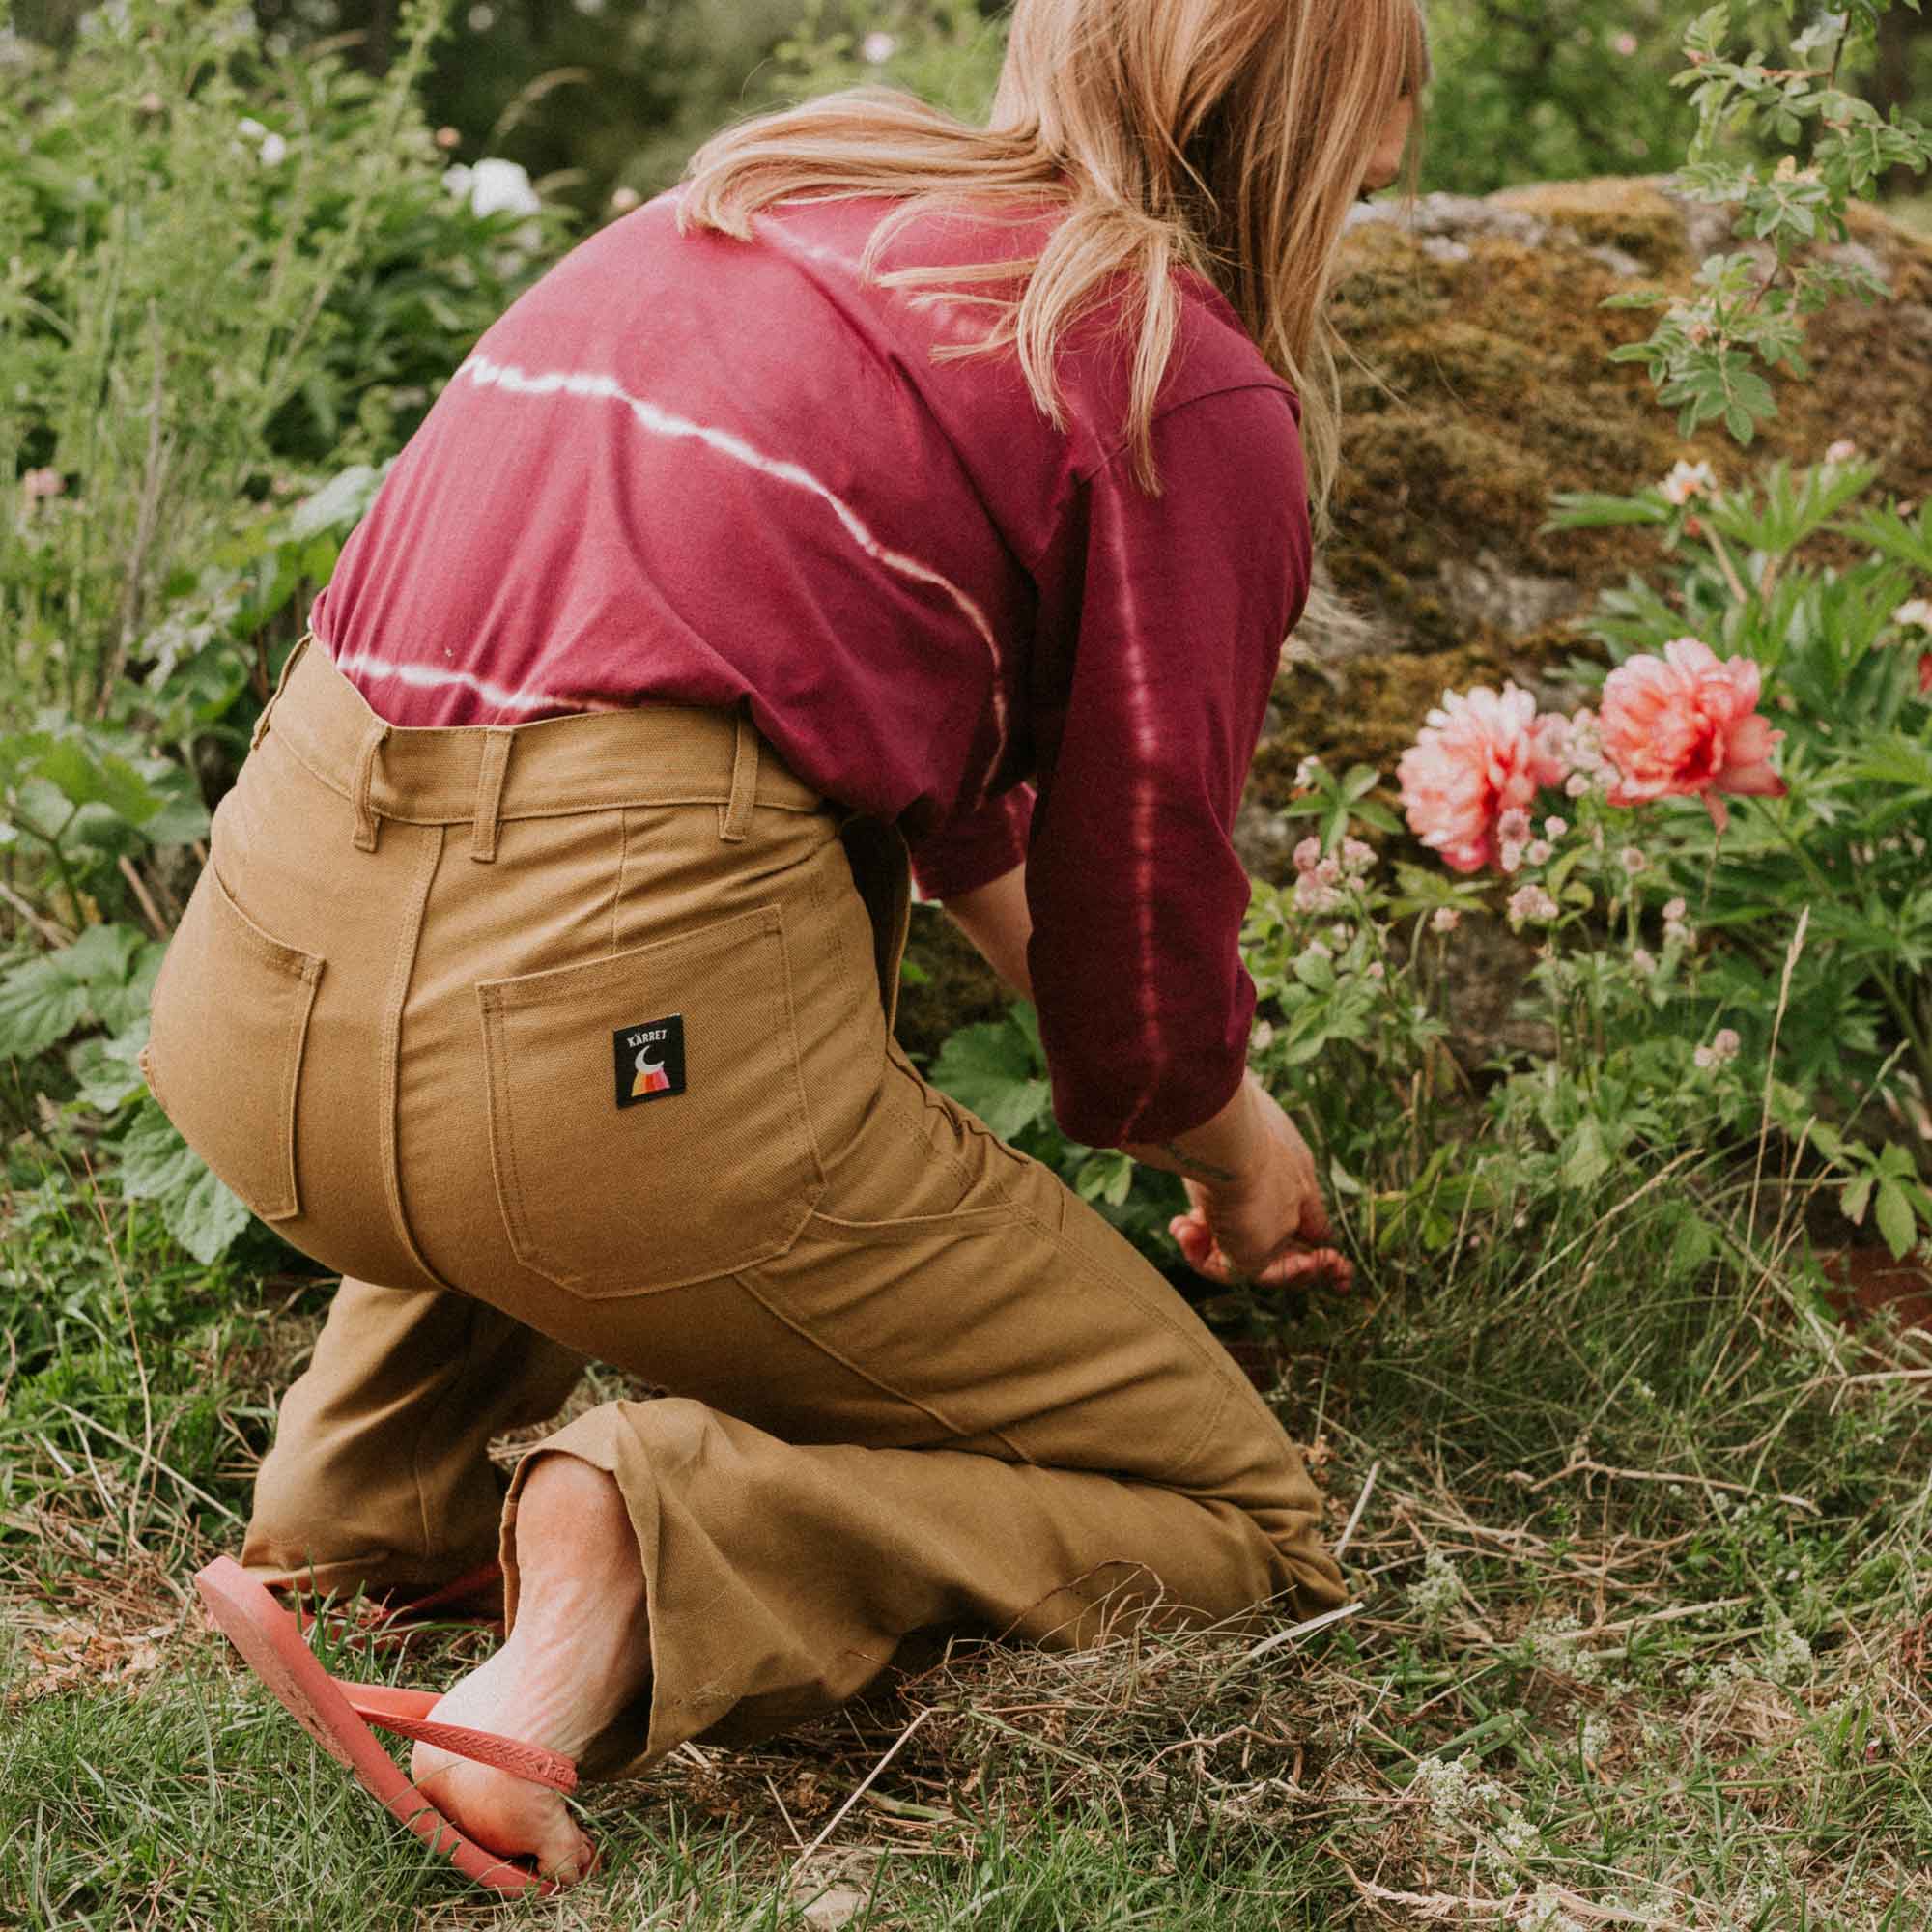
(1226, 136)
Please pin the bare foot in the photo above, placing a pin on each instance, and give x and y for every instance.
(580, 1652)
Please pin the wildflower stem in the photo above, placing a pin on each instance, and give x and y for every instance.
(1724, 563)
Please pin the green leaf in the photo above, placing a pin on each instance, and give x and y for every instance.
(1895, 1220)
(156, 1162)
(1855, 1196)
(204, 1216)
(1587, 1161)
(1691, 1248)
(89, 777)
(40, 1003)
(989, 1069)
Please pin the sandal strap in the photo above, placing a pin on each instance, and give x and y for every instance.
(403, 1712)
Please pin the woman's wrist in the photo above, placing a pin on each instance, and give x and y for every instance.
(1226, 1153)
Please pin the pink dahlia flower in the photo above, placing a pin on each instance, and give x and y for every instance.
(1686, 726)
(1476, 758)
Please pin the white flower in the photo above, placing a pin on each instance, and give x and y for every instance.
(274, 150)
(1844, 451)
(1438, 1592)
(1632, 861)
(1307, 774)
(1539, 851)
(1555, 828)
(1578, 785)
(1675, 910)
(494, 188)
(1447, 918)
(878, 48)
(1915, 616)
(250, 127)
(1688, 480)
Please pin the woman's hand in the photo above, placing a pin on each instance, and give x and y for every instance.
(1261, 1218)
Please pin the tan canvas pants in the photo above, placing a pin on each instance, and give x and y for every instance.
(567, 1040)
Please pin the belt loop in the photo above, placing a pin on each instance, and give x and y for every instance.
(288, 664)
(490, 792)
(365, 781)
(734, 820)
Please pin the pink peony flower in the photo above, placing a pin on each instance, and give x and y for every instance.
(1477, 758)
(1686, 726)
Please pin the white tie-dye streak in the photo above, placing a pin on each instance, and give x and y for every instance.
(434, 677)
(581, 384)
(1144, 724)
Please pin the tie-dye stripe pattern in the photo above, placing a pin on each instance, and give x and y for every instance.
(581, 384)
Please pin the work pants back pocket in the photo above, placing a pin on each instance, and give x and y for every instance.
(230, 1021)
(647, 1113)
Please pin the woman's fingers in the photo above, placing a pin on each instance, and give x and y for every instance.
(1200, 1250)
(1305, 1265)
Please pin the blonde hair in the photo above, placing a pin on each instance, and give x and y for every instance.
(1225, 137)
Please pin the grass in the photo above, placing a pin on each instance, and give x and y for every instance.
(1639, 1536)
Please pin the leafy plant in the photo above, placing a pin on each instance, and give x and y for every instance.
(1749, 309)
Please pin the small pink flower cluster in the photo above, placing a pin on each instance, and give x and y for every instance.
(1318, 881)
(1682, 726)
(1721, 1051)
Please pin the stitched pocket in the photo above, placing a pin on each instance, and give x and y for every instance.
(230, 1021)
(647, 1114)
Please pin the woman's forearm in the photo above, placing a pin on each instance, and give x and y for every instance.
(996, 920)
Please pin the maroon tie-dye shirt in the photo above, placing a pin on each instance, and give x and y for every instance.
(694, 471)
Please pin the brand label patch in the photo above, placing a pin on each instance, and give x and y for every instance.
(649, 1060)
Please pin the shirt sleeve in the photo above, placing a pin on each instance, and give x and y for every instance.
(1174, 610)
(976, 848)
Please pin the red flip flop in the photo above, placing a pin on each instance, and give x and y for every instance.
(337, 1715)
(373, 1623)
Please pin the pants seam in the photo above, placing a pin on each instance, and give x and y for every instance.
(401, 971)
(747, 1280)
